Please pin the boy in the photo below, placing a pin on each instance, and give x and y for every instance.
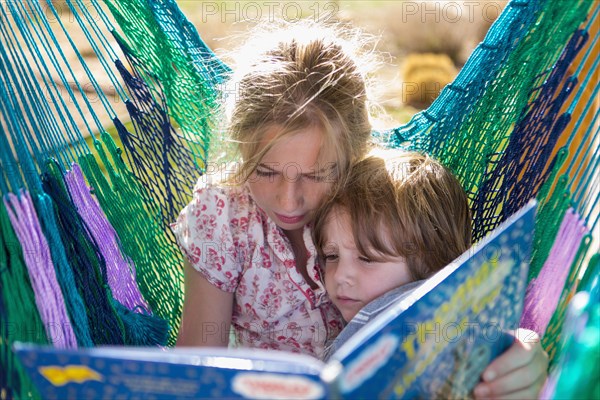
(392, 224)
(395, 223)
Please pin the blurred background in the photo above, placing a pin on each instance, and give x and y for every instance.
(424, 43)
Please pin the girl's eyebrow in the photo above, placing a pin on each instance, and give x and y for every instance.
(261, 165)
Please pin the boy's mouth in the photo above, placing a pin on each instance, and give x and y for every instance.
(346, 300)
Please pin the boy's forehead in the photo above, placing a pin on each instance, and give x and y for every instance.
(338, 228)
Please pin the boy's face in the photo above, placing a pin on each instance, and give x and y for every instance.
(351, 279)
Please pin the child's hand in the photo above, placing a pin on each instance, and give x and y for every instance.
(519, 373)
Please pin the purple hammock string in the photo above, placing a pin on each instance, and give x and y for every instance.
(36, 253)
(120, 271)
(544, 291)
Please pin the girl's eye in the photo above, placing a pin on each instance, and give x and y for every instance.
(265, 173)
(316, 178)
(366, 260)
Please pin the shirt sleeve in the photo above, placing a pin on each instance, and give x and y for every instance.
(204, 234)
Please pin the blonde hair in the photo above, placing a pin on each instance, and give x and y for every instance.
(408, 205)
(309, 76)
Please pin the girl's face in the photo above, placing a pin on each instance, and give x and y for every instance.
(351, 279)
(290, 182)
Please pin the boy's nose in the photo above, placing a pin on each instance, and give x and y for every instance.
(343, 274)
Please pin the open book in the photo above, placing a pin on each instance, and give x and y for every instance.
(432, 344)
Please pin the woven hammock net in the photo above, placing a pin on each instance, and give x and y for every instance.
(87, 257)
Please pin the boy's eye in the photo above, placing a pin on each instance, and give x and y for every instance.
(330, 257)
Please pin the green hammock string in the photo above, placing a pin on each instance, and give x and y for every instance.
(131, 212)
(20, 318)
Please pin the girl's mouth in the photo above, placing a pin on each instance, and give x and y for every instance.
(290, 219)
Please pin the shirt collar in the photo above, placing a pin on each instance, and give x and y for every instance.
(281, 247)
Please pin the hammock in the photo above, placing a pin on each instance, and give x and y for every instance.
(86, 255)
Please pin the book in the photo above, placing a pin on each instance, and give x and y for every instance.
(435, 343)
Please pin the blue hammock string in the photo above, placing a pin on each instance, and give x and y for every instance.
(593, 19)
(47, 45)
(70, 127)
(159, 157)
(74, 137)
(520, 167)
(27, 168)
(93, 81)
(576, 163)
(93, 113)
(28, 94)
(104, 44)
(589, 204)
(590, 102)
(580, 173)
(487, 58)
(10, 178)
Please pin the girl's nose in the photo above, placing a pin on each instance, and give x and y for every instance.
(290, 195)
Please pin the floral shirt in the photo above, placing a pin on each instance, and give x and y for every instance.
(237, 248)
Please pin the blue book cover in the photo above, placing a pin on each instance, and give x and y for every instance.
(434, 343)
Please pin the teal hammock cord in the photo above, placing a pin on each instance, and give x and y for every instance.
(107, 241)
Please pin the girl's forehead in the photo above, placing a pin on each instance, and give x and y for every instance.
(301, 149)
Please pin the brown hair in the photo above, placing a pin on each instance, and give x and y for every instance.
(408, 206)
(309, 76)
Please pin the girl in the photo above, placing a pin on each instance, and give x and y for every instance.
(300, 119)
